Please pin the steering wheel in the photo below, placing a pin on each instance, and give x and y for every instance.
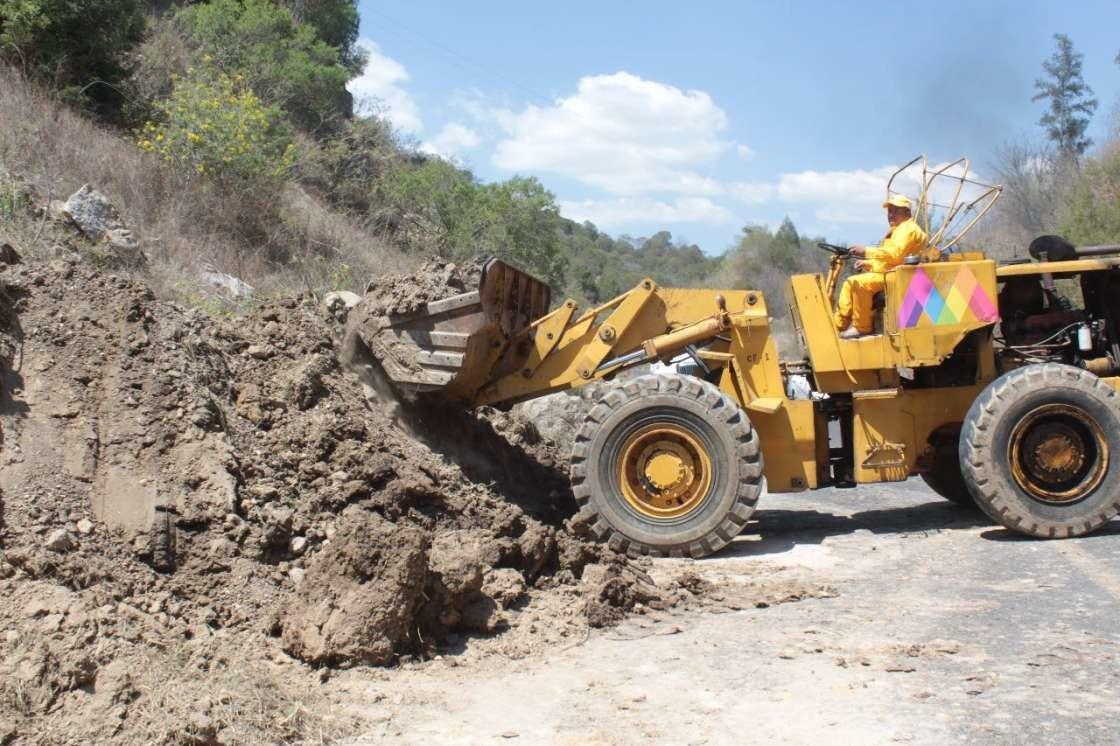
(833, 248)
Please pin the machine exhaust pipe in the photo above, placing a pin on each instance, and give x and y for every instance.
(1058, 249)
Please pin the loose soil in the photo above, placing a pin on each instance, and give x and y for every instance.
(201, 518)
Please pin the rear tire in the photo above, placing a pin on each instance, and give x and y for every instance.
(944, 476)
(666, 465)
(1040, 451)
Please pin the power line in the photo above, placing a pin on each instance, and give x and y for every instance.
(403, 33)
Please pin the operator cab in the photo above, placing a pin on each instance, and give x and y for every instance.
(949, 202)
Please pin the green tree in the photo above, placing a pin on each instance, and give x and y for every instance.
(1093, 205)
(1071, 104)
(434, 206)
(80, 46)
(283, 61)
(763, 260)
(336, 22)
(784, 248)
(522, 225)
(438, 207)
(599, 267)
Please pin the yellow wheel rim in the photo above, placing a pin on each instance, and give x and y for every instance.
(665, 471)
(1058, 453)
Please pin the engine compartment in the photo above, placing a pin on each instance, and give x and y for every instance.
(1071, 320)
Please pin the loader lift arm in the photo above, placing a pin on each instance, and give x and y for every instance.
(483, 347)
(630, 329)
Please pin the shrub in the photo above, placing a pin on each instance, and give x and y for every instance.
(184, 221)
(1093, 204)
(346, 168)
(283, 61)
(336, 22)
(73, 44)
(438, 207)
(214, 126)
(161, 58)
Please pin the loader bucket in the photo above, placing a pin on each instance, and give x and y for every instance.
(455, 345)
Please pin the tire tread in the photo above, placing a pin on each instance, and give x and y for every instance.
(1001, 503)
(723, 410)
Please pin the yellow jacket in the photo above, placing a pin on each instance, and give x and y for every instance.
(905, 239)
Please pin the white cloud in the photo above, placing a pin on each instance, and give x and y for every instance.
(838, 196)
(623, 211)
(853, 196)
(452, 141)
(478, 106)
(622, 134)
(752, 192)
(380, 89)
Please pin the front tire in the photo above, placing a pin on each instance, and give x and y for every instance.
(666, 465)
(1040, 451)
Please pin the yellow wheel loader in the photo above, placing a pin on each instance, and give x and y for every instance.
(987, 381)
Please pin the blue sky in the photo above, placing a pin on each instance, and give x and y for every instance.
(701, 117)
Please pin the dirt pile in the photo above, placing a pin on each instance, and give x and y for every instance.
(401, 295)
(190, 507)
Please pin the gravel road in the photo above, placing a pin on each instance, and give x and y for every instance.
(942, 629)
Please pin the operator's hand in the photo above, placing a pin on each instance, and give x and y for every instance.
(863, 266)
(857, 251)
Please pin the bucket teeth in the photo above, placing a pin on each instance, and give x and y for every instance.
(455, 345)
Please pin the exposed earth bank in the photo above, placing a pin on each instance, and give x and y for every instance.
(201, 518)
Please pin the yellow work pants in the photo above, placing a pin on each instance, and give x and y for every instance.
(854, 304)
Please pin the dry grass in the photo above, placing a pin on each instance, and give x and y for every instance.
(189, 697)
(282, 243)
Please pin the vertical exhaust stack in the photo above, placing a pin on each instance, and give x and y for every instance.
(453, 346)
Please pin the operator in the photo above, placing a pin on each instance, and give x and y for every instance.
(905, 238)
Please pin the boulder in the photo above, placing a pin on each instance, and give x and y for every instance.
(337, 304)
(59, 541)
(234, 287)
(8, 254)
(357, 598)
(93, 213)
(99, 220)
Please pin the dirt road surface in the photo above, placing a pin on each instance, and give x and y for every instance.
(942, 629)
